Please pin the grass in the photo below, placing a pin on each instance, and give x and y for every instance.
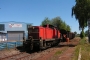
(57, 53)
(75, 56)
(82, 41)
(85, 50)
(55, 57)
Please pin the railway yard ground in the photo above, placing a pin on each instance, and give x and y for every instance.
(64, 51)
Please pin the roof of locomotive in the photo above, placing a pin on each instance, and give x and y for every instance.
(36, 27)
(47, 25)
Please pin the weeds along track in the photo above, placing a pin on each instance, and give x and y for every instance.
(35, 55)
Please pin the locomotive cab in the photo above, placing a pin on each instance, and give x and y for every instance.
(33, 37)
(33, 32)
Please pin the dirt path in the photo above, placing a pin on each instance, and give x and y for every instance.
(65, 55)
(51, 53)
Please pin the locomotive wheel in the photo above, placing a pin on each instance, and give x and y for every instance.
(44, 44)
(31, 47)
(31, 44)
(49, 44)
(41, 44)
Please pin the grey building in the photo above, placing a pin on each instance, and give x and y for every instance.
(13, 31)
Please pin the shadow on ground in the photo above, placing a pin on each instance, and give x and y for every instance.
(64, 45)
(21, 49)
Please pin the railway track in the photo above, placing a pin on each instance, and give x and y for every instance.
(26, 56)
(35, 55)
(15, 57)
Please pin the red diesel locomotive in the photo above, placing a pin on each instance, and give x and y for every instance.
(44, 36)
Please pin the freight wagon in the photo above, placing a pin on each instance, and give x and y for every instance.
(68, 34)
(71, 35)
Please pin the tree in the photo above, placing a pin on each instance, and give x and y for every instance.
(81, 10)
(29, 25)
(64, 25)
(75, 33)
(82, 34)
(46, 21)
(60, 24)
(86, 33)
(57, 22)
(68, 28)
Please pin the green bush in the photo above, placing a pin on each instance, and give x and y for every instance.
(82, 34)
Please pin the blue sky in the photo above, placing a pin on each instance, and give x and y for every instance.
(34, 11)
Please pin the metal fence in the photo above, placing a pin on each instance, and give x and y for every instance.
(7, 42)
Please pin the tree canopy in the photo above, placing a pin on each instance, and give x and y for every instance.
(86, 33)
(57, 22)
(81, 10)
(46, 21)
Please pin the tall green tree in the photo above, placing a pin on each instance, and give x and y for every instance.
(75, 33)
(57, 22)
(60, 24)
(46, 21)
(68, 28)
(86, 33)
(81, 10)
(64, 25)
(82, 34)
